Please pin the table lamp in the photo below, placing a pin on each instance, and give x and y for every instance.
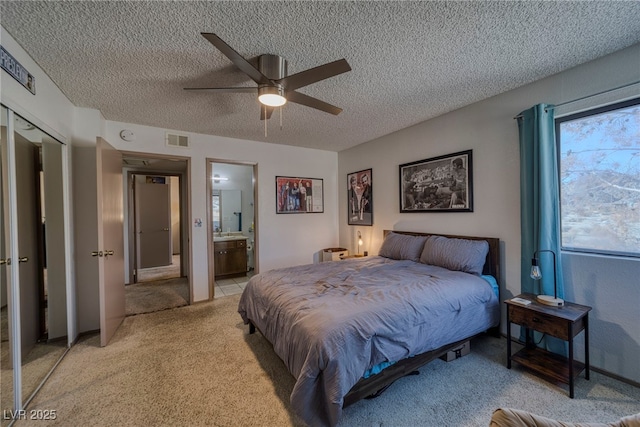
(536, 274)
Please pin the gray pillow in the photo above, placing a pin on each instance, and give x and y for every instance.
(402, 246)
(455, 254)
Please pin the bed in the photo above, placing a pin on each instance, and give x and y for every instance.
(347, 329)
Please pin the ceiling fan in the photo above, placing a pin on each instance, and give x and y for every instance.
(275, 87)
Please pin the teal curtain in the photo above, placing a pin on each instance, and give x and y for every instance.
(540, 206)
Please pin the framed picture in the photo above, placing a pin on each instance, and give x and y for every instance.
(155, 180)
(440, 184)
(360, 198)
(299, 195)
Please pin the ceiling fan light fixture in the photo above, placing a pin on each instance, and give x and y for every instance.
(272, 96)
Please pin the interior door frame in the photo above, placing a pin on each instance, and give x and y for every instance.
(210, 231)
(132, 231)
(185, 213)
(152, 202)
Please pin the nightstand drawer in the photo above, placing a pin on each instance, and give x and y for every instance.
(540, 322)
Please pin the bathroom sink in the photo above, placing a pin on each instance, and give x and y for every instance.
(232, 237)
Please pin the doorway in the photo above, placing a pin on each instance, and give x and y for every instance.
(232, 226)
(157, 259)
(156, 212)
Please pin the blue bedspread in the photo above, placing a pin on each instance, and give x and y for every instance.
(332, 321)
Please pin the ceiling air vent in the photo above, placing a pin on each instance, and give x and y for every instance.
(175, 140)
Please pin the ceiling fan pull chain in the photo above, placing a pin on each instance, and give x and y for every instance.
(265, 121)
(280, 117)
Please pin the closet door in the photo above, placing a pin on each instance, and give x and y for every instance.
(7, 300)
(33, 294)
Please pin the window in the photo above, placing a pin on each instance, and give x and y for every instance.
(599, 156)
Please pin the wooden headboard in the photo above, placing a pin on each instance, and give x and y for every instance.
(492, 263)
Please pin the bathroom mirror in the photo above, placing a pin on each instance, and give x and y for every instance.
(227, 210)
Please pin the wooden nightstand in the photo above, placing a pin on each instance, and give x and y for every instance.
(561, 322)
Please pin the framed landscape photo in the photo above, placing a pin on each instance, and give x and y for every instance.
(299, 195)
(439, 184)
(360, 198)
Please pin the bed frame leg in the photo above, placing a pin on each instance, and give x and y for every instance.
(252, 328)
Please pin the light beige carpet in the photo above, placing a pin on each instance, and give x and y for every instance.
(36, 364)
(169, 271)
(158, 295)
(197, 366)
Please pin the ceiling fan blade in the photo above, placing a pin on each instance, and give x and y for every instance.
(313, 75)
(244, 65)
(300, 98)
(265, 112)
(225, 89)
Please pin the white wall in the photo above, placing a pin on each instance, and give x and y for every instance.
(607, 284)
(284, 240)
(48, 109)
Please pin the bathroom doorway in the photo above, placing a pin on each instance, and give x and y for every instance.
(231, 226)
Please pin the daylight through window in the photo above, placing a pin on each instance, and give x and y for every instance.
(599, 154)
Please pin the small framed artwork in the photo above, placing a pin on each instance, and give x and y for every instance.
(360, 198)
(439, 184)
(156, 180)
(299, 195)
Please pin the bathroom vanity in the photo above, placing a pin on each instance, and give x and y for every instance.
(229, 256)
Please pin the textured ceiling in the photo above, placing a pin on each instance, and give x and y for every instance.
(410, 61)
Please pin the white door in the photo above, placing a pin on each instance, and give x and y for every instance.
(110, 251)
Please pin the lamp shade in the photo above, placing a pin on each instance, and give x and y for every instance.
(536, 273)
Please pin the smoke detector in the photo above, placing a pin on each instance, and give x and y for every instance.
(127, 135)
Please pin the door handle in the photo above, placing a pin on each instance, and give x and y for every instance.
(107, 253)
(5, 261)
(96, 253)
(165, 229)
(23, 259)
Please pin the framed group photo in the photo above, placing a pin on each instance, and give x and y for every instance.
(299, 195)
(439, 184)
(360, 198)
